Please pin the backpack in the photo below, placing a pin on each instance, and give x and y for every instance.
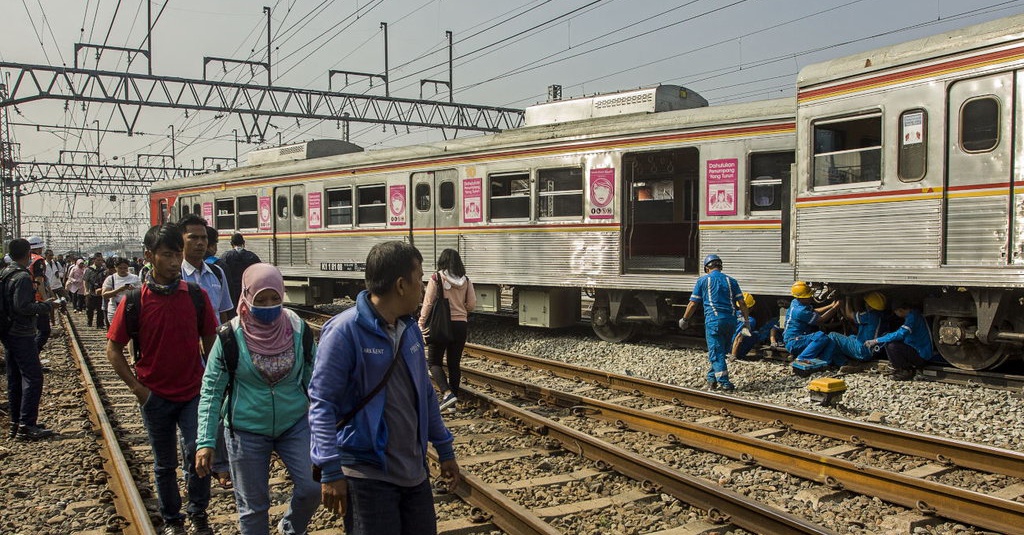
(6, 306)
(229, 352)
(133, 311)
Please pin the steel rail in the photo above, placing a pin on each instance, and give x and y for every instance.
(943, 450)
(127, 500)
(916, 493)
(742, 511)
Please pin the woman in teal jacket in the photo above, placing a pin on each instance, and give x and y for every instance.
(266, 410)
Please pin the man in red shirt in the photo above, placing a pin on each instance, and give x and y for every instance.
(168, 374)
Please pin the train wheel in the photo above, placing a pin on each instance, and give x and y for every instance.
(608, 331)
(966, 353)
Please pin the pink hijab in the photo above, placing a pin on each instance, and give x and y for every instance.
(268, 339)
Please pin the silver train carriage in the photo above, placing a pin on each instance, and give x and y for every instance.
(589, 199)
(910, 178)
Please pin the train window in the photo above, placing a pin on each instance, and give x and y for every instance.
(769, 179)
(913, 153)
(184, 210)
(196, 210)
(372, 205)
(298, 205)
(979, 125)
(848, 151)
(248, 212)
(225, 218)
(282, 206)
(422, 197)
(560, 193)
(339, 207)
(446, 195)
(164, 212)
(509, 196)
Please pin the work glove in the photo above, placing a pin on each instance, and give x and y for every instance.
(684, 324)
(870, 344)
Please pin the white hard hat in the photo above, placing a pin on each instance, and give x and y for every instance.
(35, 242)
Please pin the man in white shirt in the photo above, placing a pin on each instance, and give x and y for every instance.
(116, 286)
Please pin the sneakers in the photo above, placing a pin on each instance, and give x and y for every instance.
(727, 387)
(200, 525)
(449, 401)
(174, 528)
(33, 432)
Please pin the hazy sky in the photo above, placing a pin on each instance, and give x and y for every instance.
(506, 54)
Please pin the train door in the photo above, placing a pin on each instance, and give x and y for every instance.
(435, 220)
(660, 229)
(978, 180)
(290, 226)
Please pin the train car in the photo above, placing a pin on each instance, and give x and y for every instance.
(909, 179)
(616, 197)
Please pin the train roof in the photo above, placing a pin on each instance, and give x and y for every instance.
(993, 32)
(766, 110)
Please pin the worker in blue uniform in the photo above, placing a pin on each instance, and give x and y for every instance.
(869, 326)
(801, 335)
(909, 348)
(720, 296)
(751, 334)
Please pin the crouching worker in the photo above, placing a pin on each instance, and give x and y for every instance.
(373, 408)
(869, 326)
(909, 348)
(265, 353)
(813, 349)
(748, 337)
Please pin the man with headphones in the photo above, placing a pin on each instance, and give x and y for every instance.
(720, 296)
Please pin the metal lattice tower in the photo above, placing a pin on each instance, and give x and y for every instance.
(9, 216)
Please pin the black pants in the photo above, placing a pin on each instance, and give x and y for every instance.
(94, 303)
(436, 354)
(903, 357)
(43, 326)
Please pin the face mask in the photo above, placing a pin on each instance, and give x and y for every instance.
(266, 314)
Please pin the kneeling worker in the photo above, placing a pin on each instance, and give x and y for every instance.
(909, 348)
(801, 336)
(746, 337)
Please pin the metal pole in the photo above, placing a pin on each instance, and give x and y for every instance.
(98, 157)
(235, 132)
(266, 9)
(451, 86)
(174, 164)
(149, 33)
(387, 84)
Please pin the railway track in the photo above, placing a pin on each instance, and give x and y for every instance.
(845, 455)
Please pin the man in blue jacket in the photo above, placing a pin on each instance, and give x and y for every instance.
(372, 407)
(909, 348)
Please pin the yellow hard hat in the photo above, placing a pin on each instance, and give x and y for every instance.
(748, 298)
(875, 300)
(801, 290)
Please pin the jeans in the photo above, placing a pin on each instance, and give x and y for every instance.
(719, 338)
(436, 354)
(24, 379)
(43, 326)
(816, 345)
(163, 419)
(249, 455)
(379, 508)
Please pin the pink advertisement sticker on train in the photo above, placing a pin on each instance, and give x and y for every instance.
(396, 205)
(472, 200)
(722, 186)
(315, 211)
(265, 211)
(602, 193)
(208, 214)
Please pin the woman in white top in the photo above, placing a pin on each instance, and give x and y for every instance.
(117, 285)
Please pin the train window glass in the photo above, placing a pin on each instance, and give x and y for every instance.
(164, 212)
(184, 210)
(282, 206)
(848, 151)
(560, 193)
(298, 205)
(979, 125)
(509, 196)
(196, 210)
(913, 152)
(769, 179)
(372, 204)
(422, 197)
(248, 212)
(339, 207)
(225, 217)
(446, 195)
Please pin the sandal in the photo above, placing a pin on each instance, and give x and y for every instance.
(224, 480)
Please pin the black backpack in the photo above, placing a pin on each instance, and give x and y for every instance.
(133, 311)
(6, 305)
(229, 353)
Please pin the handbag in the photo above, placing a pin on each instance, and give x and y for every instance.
(439, 324)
